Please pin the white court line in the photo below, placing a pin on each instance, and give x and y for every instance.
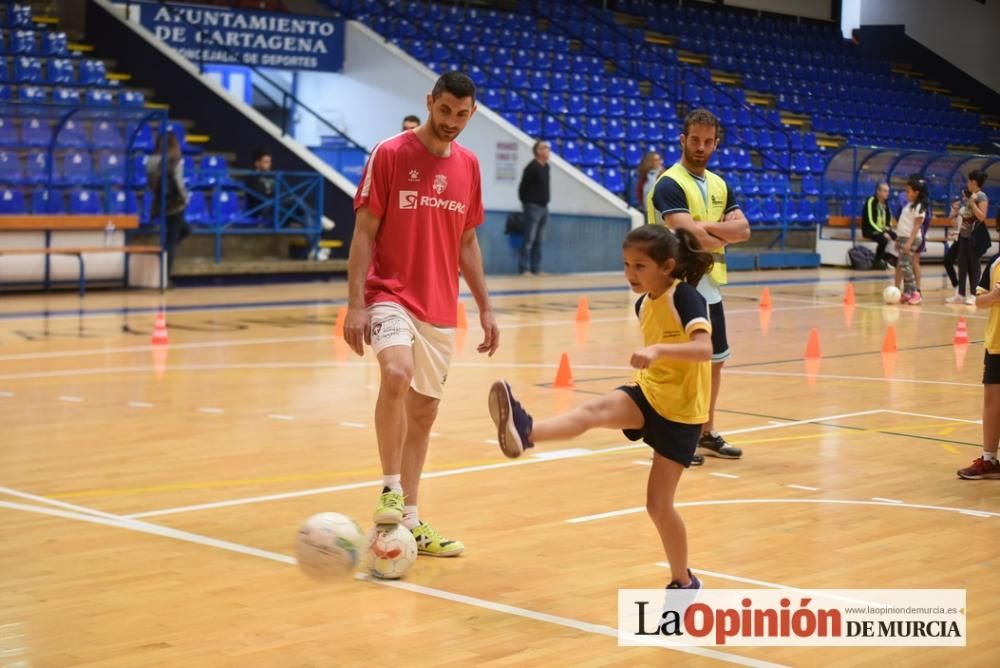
(642, 463)
(355, 425)
(139, 404)
(805, 487)
(492, 441)
(878, 306)
(885, 500)
(934, 417)
(438, 474)
(71, 400)
(723, 475)
(58, 504)
(157, 530)
(773, 585)
(355, 485)
(6, 394)
(280, 416)
(587, 627)
(830, 376)
(212, 411)
(728, 502)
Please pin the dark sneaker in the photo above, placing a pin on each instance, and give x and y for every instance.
(716, 446)
(697, 460)
(512, 421)
(981, 470)
(694, 584)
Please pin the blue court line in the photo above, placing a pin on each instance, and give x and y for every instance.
(69, 313)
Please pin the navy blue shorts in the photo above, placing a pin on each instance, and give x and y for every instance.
(674, 440)
(991, 369)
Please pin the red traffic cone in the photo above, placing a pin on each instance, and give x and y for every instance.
(849, 295)
(564, 377)
(583, 310)
(765, 298)
(961, 333)
(160, 329)
(889, 344)
(812, 347)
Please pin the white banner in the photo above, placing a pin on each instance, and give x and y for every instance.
(792, 617)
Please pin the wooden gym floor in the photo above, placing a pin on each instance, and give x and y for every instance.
(150, 498)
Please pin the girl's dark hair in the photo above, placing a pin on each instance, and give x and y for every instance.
(978, 175)
(661, 243)
(919, 183)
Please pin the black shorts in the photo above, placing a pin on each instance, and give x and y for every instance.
(674, 440)
(991, 369)
(720, 344)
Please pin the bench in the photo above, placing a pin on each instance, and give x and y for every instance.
(47, 225)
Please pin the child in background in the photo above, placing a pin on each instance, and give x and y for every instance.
(988, 296)
(909, 238)
(668, 402)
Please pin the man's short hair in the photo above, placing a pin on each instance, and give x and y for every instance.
(411, 119)
(456, 83)
(258, 154)
(537, 146)
(702, 117)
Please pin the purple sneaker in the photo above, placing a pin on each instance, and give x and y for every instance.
(694, 584)
(512, 421)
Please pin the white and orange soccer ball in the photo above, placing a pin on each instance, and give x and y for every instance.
(329, 545)
(391, 551)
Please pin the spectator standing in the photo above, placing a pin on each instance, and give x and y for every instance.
(534, 195)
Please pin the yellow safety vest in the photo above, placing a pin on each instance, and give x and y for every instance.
(712, 212)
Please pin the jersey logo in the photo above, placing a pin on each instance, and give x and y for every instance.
(440, 183)
(414, 175)
(407, 199)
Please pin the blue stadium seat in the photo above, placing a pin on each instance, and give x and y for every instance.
(111, 168)
(612, 155)
(143, 138)
(55, 44)
(72, 135)
(60, 71)
(654, 132)
(635, 130)
(615, 108)
(818, 163)
(633, 153)
(614, 129)
(78, 168)
(611, 178)
(551, 127)
(85, 202)
(806, 212)
(531, 124)
(105, 135)
(570, 151)
(5, 93)
(47, 201)
(132, 99)
(69, 97)
(137, 178)
(27, 70)
(226, 206)
(123, 202)
(591, 154)
(197, 211)
(92, 72)
(34, 132)
(32, 95)
(8, 133)
(22, 41)
(10, 167)
(810, 185)
(11, 201)
(492, 98)
(212, 171)
(18, 16)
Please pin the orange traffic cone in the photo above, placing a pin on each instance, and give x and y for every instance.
(812, 347)
(961, 333)
(849, 295)
(160, 329)
(463, 321)
(338, 327)
(583, 310)
(564, 377)
(765, 298)
(889, 343)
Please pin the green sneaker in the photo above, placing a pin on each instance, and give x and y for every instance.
(390, 507)
(431, 543)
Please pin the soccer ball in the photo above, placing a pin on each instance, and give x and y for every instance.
(891, 295)
(391, 551)
(328, 546)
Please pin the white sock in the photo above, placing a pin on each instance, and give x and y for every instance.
(393, 483)
(989, 456)
(410, 517)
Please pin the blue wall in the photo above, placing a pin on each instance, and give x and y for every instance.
(572, 244)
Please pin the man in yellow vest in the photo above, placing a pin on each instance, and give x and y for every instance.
(688, 196)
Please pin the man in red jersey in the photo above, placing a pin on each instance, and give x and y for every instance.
(417, 210)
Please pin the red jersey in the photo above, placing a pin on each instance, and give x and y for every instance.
(426, 203)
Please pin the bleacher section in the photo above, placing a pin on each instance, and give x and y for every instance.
(606, 86)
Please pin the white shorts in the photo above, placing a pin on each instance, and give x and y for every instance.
(392, 325)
